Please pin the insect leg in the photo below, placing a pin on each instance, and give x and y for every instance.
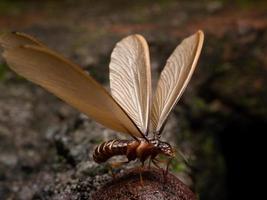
(140, 173)
(160, 161)
(116, 165)
(110, 171)
(156, 164)
(163, 171)
(167, 168)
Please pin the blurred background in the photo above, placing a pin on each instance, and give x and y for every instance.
(46, 146)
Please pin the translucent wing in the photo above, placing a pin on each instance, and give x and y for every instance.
(14, 39)
(130, 78)
(68, 81)
(174, 78)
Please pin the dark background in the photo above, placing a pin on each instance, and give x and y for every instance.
(221, 119)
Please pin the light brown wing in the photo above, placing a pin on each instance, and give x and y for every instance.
(130, 79)
(67, 81)
(174, 78)
(14, 39)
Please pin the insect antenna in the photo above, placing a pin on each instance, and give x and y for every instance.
(183, 157)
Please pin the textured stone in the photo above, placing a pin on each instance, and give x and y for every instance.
(127, 185)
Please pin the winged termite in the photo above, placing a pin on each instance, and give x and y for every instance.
(130, 109)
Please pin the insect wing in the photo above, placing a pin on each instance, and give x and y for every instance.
(70, 83)
(14, 39)
(130, 79)
(174, 78)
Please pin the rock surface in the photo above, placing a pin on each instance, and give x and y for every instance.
(155, 187)
(46, 146)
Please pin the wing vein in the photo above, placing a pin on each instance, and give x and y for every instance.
(130, 79)
(174, 78)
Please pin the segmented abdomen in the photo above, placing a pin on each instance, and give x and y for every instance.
(110, 148)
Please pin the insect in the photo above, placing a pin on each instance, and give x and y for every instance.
(130, 108)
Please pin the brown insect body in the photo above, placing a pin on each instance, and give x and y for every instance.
(130, 108)
(133, 149)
